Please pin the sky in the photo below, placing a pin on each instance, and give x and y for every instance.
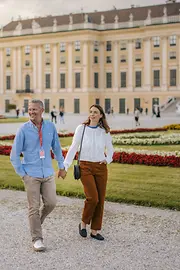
(35, 8)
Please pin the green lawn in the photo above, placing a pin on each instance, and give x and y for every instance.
(14, 120)
(136, 184)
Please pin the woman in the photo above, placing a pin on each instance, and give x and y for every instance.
(93, 165)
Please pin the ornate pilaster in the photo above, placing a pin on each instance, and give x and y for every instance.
(40, 69)
(34, 51)
(1, 72)
(85, 66)
(70, 71)
(102, 86)
(164, 63)
(147, 64)
(54, 67)
(19, 69)
(115, 65)
(130, 65)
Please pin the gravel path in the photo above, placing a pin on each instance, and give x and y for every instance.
(136, 238)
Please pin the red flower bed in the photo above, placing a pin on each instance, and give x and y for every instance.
(8, 137)
(149, 160)
(123, 157)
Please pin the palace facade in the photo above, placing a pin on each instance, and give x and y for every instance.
(118, 58)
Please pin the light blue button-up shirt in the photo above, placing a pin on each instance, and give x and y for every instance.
(27, 142)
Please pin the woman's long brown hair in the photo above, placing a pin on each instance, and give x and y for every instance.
(102, 121)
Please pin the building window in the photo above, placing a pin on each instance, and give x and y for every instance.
(77, 59)
(96, 80)
(172, 40)
(62, 80)
(8, 82)
(47, 48)
(107, 105)
(156, 77)
(8, 51)
(123, 46)
(7, 105)
(27, 49)
(108, 59)
(138, 44)
(156, 56)
(27, 63)
(172, 55)
(78, 80)
(97, 101)
(173, 77)
(8, 64)
(77, 45)
(138, 58)
(108, 46)
(61, 103)
(122, 105)
(123, 79)
(62, 47)
(96, 46)
(138, 78)
(48, 81)
(156, 41)
(46, 106)
(123, 59)
(108, 80)
(76, 105)
(26, 105)
(95, 60)
(137, 103)
(48, 61)
(62, 60)
(27, 83)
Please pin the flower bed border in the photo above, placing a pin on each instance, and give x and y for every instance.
(124, 158)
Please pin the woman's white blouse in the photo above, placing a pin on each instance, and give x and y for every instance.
(96, 142)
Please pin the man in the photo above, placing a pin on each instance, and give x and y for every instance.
(35, 139)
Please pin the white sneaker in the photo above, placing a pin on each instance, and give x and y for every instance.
(38, 245)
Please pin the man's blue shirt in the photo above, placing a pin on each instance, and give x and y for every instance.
(27, 142)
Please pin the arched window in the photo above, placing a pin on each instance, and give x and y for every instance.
(27, 83)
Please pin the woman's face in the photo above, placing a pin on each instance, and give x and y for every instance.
(95, 114)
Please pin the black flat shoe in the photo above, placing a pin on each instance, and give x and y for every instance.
(98, 236)
(82, 232)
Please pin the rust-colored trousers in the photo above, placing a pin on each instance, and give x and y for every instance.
(94, 180)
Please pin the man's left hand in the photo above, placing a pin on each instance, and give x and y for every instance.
(62, 173)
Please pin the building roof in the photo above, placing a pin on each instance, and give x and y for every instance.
(139, 13)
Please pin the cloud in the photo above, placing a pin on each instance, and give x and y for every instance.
(31, 8)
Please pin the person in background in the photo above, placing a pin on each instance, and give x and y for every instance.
(158, 115)
(54, 115)
(127, 111)
(17, 112)
(35, 139)
(23, 110)
(61, 115)
(136, 116)
(146, 111)
(112, 111)
(93, 166)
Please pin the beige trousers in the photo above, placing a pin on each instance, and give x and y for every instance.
(35, 188)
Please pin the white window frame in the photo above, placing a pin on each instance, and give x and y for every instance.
(77, 45)
(172, 40)
(62, 47)
(156, 55)
(77, 59)
(156, 41)
(47, 48)
(27, 49)
(8, 51)
(62, 60)
(123, 46)
(96, 46)
(123, 59)
(172, 55)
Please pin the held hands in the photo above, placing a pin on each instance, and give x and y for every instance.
(103, 162)
(62, 173)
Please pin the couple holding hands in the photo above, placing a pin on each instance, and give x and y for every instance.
(35, 139)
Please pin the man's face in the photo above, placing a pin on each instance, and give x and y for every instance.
(35, 111)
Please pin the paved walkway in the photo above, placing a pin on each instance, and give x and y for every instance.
(115, 122)
(136, 238)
